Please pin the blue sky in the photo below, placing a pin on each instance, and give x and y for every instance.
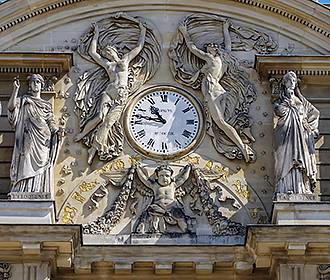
(325, 1)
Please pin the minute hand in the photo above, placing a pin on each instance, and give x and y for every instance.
(150, 118)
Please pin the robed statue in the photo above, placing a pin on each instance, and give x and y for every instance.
(37, 139)
(127, 54)
(294, 139)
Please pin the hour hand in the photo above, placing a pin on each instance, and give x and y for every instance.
(155, 111)
(139, 116)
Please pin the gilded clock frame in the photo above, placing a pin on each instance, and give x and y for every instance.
(173, 156)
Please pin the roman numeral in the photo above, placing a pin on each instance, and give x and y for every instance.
(138, 122)
(164, 146)
(176, 102)
(178, 143)
(151, 142)
(142, 110)
(164, 98)
(151, 101)
(186, 133)
(187, 109)
(141, 133)
(188, 122)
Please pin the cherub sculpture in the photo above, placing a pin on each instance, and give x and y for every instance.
(124, 64)
(164, 209)
(225, 86)
(157, 203)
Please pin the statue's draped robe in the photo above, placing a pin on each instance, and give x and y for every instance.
(36, 145)
(295, 163)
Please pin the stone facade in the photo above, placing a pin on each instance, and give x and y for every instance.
(164, 140)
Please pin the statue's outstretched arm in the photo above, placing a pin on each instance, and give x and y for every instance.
(13, 98)
(226, 35)
(134, 52)
(93, 47)
(183, 176)
(191, 46)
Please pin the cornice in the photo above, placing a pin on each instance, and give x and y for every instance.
(23, 64)
(314, 68)
(260, 4)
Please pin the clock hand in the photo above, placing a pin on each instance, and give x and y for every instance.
(155, 111)
(139, 116)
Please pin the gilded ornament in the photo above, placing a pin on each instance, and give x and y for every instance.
(77, 196)
(69, 214)
(192, 160)
(223, 171)
(85, 187)
(209, 165)
(135, 160)
(241, 189)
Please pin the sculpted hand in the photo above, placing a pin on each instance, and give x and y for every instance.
(16, 84)
(226, 23)
(96, 28)
(142, 26)
(183, 29)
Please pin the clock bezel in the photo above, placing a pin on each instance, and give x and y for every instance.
(179, 154)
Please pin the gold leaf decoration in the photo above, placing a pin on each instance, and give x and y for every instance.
(85, 187)
(77, 196)
(69, 214)
(241, 189)
(192, 160)
(209, 165)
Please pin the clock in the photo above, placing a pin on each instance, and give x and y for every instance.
(164, 122)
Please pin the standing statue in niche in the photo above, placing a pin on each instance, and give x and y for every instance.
(37, 139)
(124, 65)
(294, 139)
(164, 209)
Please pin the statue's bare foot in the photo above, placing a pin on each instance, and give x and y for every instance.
(248, 154)
(91, 155)
(78, 137)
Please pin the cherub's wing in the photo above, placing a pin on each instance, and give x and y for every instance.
(122, 32)
(143, 187)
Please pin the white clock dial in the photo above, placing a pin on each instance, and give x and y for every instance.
(164, 122)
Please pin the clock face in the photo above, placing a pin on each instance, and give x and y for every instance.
(164, 122)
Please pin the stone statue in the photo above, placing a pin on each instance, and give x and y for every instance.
(123, 68)
(159, 202)
(37, 139)
(225, 86)
(294, 139)
(164, 210)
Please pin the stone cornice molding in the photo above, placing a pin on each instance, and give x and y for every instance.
(314, 69)
(51, 243)
(271, 244)
(24, 64)
(315, 17)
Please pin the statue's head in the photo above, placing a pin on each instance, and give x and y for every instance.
(110, 52)
(36, 83)
(164, 175)
(290, 80)
(212, 48)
